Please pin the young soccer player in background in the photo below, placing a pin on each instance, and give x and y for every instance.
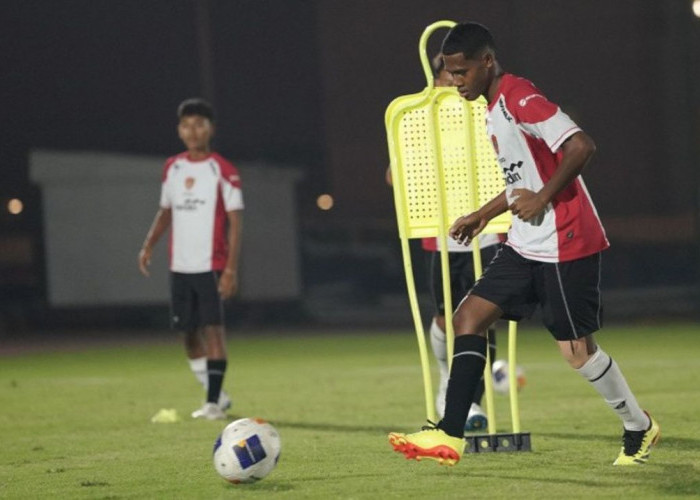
(552, 257)
(461, 280)
(201, 201)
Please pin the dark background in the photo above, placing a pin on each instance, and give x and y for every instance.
(306, 83)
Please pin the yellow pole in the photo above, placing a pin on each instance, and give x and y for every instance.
(512, 376)
(420, 334)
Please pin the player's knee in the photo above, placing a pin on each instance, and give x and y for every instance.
(194, 346)
(575, 355)
(576, 362)
(461, 323)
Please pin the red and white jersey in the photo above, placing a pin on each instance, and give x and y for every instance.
(433, 244)
(527, 131)
(199, 193)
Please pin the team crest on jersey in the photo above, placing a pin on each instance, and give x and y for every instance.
(189, 183)
(495, 144)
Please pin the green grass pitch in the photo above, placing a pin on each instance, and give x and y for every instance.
(77, 424)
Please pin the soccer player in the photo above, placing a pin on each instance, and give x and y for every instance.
(462, 278)
(552, 257)
(201, 200)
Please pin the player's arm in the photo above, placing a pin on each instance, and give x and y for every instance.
(468, 226)
(228, 283)
(577, 151)
(161, 223)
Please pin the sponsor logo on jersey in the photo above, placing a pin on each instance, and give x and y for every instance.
(524, 100)
(504, 110)
(510, 174)
(190, 204)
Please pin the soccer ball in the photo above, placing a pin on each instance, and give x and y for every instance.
(500, 376)
(247, 450)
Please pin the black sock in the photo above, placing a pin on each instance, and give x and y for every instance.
(479, 394)
(467, 369)
(216, 368)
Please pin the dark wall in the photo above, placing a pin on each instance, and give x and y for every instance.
(308, 82)
(624, 70)
(108, 75)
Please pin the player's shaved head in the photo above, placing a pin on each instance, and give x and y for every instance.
(470, 39)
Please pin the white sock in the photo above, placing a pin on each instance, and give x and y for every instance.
(438, 341)
(199, 369)
(601, 371)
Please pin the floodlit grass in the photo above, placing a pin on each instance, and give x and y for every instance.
(76, 425)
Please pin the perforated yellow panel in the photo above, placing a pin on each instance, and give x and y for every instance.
(418, 164)
(441, 130)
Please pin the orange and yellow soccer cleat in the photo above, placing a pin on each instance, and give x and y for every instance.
(431, 442)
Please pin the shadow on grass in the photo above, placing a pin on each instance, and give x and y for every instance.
(263, 485)
(320, 426)
(672, 481)
(675, 442)
(680, 443)
(665, 479)
(577, 436)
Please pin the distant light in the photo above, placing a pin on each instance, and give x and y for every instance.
(696, 8)
(15, 206)
(325, 202)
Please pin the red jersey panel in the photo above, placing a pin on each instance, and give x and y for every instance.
(485, 240)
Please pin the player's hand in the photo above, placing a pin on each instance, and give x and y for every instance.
(145, 260)
(467, 227)
(228, 284)
(526, 204)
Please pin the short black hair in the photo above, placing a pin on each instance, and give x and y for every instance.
(195, 106)
(437, 64)
(468, 38)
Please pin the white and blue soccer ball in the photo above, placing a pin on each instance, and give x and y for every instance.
(247, 450)
(501, 383)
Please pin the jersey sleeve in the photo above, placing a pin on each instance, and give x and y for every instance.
(165, 201)
(540, 117)
(231, 191)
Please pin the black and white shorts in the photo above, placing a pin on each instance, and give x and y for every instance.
(461, 275)
(568, 292)
(195, 301)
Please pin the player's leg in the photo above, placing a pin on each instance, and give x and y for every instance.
(438, 341)
(196, 345)
(504, 287)
(197, 357)
(465, 280)
(444, 442)
(215, 338)
(471, 320)
(476, 418)
(183, 319)
(572, 311)
(210, 312)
